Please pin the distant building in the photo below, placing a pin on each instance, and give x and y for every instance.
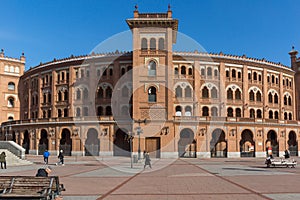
(172, 104)
(11, 69)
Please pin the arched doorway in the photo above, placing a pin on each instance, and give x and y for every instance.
(26, 142)
(43, 143)
(121, 144)
(187, 144)
(293, 144)
(218, 144)
(247, 145)
(92, 143)
(65, 143)
(272, 142)
(14, 138)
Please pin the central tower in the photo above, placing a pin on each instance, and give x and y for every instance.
(153, 37)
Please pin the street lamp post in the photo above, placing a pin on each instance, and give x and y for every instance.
(139, 132)
(130, 145)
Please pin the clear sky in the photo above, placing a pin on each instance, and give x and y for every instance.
(44, 30)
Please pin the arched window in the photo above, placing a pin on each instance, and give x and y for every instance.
(270, 114)
(49, 97)
(125, 91)
(183, 70)
(85, 111)
(214, 93)
(44, 98)
(66, 112)
(176, 70)
(273, 79)
(111, 72)
(290, 116)
(108, 111)
(252, 113)
(123, 71)
(276, 98)
(152, 68)
(188, 111)
(233, 73)
(100, 93)
(216, 72)
(285, 116)
(11, 102)
(205, 92)
(59, 113)
(238, 112)
(285, 100)
(78, 112)
(152, 94)
(78, 94)
(49, 113)
(229, 112)
(290, 101)
(59, 96)
(85, 93)
(99, 111)
(258, 96)
(152, 44)
(255, 76)
(270, 98)
(205, 111)
(190, 71)
(161, 44)
(66, 95)
(229, 94)
(188, 92)
(144, 45)
(108, 93)
(178, 91)
(251, 95)
(202, 72)
(276, 114)
(214, 111)
(258, 114)
(124, 110)
(11, 86)
(227, 73)
(238, 94)
(239, 75)
(178, 110)
(209, 71)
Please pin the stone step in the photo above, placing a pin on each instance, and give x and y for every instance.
(13, 160)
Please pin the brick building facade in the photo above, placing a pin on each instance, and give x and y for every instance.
(172, 104)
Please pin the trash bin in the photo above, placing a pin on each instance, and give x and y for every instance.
(135, 160)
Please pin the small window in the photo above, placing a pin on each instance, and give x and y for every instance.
(152, 44)
(152, 94)
(152, 68)
(11, 102)
(229, 112)
(205, 111)
(11, 86)
(144, 45)
(161, 44)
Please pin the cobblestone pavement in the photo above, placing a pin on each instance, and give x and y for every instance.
(90, 178)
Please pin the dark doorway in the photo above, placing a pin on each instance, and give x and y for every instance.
(247, 145)
(153, 147)
(293, 144)
(66, 142)
(218, 144)
(272, 141)
(43, 143)
(187, 144)
(121, 144)
(92, 143)
(26, 142)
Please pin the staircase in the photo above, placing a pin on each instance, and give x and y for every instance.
(13, 160)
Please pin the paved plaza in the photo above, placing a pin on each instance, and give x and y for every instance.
(90, 178)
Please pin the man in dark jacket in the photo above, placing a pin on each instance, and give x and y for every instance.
(43, 172)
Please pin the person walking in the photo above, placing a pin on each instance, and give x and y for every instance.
(61, 158)
(3, 160)
(147, 160)
(46, 156)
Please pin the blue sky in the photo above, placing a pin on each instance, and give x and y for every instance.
(44, 30)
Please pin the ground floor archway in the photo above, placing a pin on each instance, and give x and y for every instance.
(43, 142)
(218, 144)
(293, 144)
(92, 143)
(65, 142)
(121, 143)
(272, 142)
(247, 144)
(26, 142)
(187, 144)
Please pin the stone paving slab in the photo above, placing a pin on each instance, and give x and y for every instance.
(89, 178)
